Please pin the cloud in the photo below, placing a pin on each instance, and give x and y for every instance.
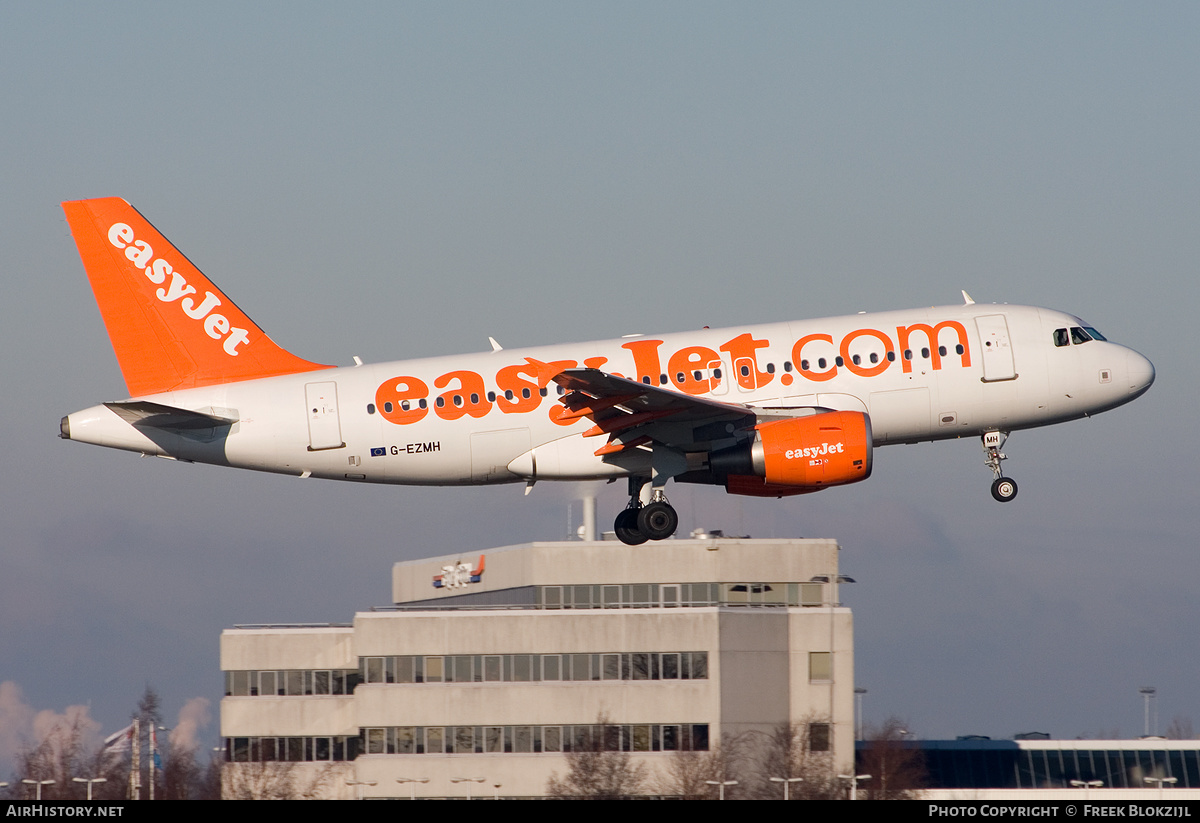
(22, 726)
(193, 717)
(16, 721)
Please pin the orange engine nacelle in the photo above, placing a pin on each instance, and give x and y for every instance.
(798, 455)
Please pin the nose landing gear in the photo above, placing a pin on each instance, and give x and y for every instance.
(1004, 488)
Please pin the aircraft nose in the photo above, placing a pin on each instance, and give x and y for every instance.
(1141, 373)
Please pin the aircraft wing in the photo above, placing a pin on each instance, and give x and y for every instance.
(633, 413)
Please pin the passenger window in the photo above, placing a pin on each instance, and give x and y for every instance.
(370, 408)
(387, 407)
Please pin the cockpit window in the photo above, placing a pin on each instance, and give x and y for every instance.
(1078, 335)
(1095, 334)
(1061, 338)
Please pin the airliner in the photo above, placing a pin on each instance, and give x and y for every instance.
(767, 410)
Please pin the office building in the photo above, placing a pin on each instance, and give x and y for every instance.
(497, 665)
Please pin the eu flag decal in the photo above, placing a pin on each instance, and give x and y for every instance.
(380, 452)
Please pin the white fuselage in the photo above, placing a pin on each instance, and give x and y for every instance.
(488, 418)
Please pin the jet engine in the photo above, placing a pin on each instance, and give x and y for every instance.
(798, 455)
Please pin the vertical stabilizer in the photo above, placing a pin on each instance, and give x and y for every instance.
(170, 326)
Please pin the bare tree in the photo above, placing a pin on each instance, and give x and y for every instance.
(696, 775)
(599, 770)
(64, 753)
(1181, 728)
(686, 773)
(897, 771)
(181, 775)
(264, 780)
(277, 780)
(209, 785)
(799, 752)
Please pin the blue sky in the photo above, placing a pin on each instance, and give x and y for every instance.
(403, 179)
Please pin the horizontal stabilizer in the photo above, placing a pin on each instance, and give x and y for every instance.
(155, 415)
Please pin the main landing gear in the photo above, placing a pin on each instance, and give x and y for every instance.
(1003, 488)
(655, 520)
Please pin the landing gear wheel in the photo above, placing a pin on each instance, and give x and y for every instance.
(626, 527)
(658, 520)
(1004, 489)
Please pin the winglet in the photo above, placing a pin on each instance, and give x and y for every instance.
(170, 327)
(967, 301)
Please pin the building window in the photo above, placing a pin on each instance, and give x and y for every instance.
(510, 668)
(820, 667)
(668, 737)
(295, 683)
(810, 594)
(678, 595)
(818, 737)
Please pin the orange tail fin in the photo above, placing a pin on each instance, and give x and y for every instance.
(170, 326)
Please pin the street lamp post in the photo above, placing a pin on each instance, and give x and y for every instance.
(1147, 692)
(854, 778)
(722, 784)
(358, 784)
(786, 781)
(859, 691)
(89, 782)
(39, 784)
(412, 781)
(833, 580)
(1160, 781)
(468, 781)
